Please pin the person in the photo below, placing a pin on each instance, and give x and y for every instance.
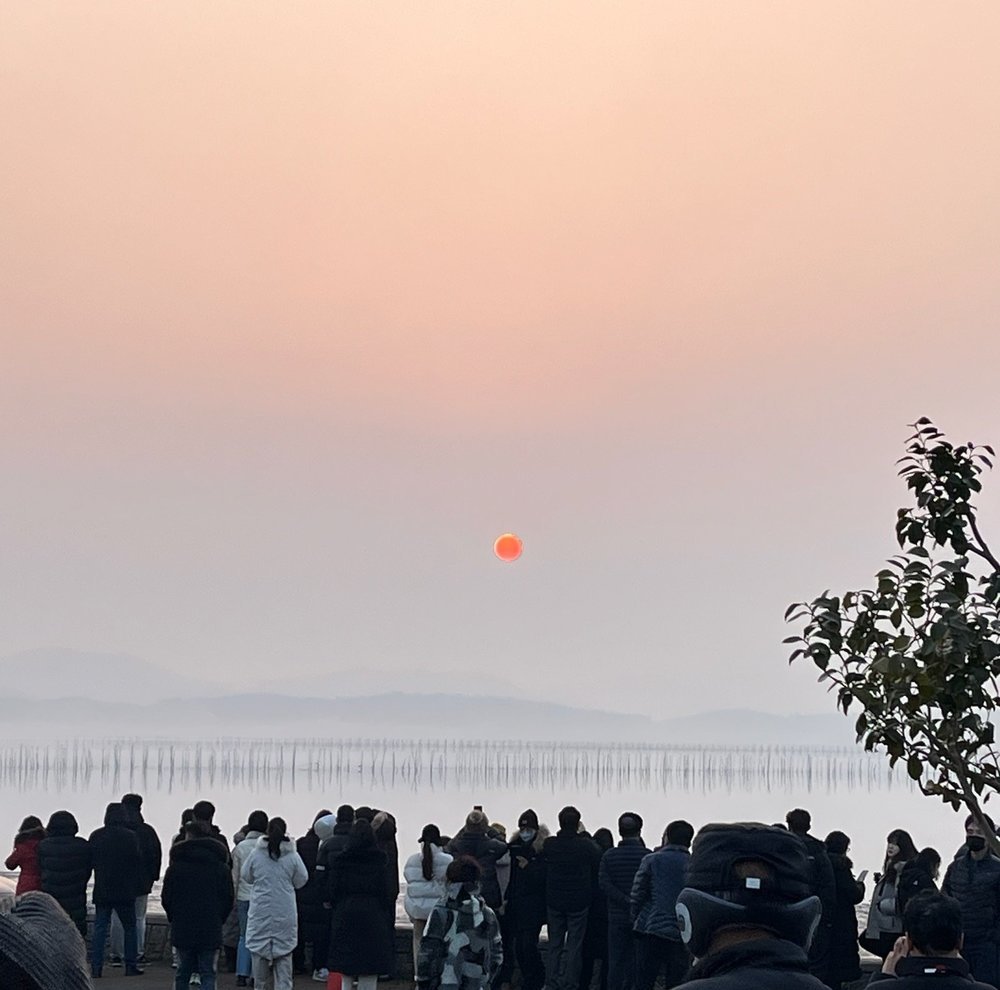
(929, 954)
(571, 863)
(474, 841)
(973, 879)
(653, 909)
(197, 897)
(360, 944)
(424, 873)
(384, 827)
(314, 918)
(799, 821)
(919, 876)
(747, 912)
(595, 936)
(885, 924)
(844, 958)
(25, 855)
(274, 871)
(615, 876)
(65, 866)
(187, 815)
(204, 811)
(461, 948)
(254, 830)
(524, 907)
(39, 947)
(152, 860)
(118, 877)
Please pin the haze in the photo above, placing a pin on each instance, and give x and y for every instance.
(304, 304)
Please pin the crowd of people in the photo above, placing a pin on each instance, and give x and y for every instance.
(738, 905)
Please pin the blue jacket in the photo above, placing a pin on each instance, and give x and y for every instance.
(615, 876)
(659, 880)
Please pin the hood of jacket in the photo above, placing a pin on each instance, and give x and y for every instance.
(115, 815)
(541, 834)
(201, 850)
(62, 823)
(466, 900)
(29, 835)
(286, 849)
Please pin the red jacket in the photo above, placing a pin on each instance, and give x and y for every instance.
(25, 856)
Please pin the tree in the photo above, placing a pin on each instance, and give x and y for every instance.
(920, 653)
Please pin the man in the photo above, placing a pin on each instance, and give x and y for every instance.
(118, 873)
(204, 811)
(973, 879)
(152, 857)
(929, 952)
(824, 886)
(615, 876)
(748, 912)
(197, 897)
(571, 860)
(525, 904)
(653, 910)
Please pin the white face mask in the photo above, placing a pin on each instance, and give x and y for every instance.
(527, 834)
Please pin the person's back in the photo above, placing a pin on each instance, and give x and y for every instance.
(24, 856)
(747, 912)
(571, 864)
(473, 841)
(928, 955)
(116, 858)
(65, 864)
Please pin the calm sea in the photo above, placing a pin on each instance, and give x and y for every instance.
(440, 781)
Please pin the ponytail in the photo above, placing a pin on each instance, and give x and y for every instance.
(427, 861)
(275, 836)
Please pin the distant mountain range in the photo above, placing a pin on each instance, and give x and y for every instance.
(70, 693)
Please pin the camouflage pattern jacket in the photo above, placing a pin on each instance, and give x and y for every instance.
(461, 948)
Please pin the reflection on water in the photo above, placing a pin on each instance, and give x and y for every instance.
(274, 765)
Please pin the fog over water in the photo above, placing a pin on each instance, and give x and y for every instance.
(440, 780)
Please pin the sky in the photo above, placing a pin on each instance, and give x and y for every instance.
(303, 304)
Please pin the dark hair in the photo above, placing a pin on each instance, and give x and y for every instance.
(989, 821)
(275, 836)
(463, 869)
(30, 824)
(837, 843)
(362, 835)
(680, 833)
(604, 839)
(799, 820)
(257, 822)
(345, 815)
(364, 812)
(187, 815)
(204, 811)
(907, 850)
(934, 923)
(629, 825)
(135, 800)
(429, 838)
(929, 858)
(569, 818)
(325, 813)
(197, 830)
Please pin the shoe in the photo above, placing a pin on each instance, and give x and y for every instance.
(241, 981)
(142, 959)
(321, 975)
(134, 971)
(195, 980)
(116, 960)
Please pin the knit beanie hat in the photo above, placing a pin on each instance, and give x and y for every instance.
(38, 939)
(528, 819)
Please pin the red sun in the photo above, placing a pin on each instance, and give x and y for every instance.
(508, 547)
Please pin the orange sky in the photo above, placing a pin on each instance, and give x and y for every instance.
(460, 268)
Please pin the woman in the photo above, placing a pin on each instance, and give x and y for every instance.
(885, 920)
(918, 876)
(64, 861)
(844, 959)
(274, 871)
(314, 918)
(461, 948)
(254, 829)
(595, 939)
(424, 874)
(361, 946)
(25, 855)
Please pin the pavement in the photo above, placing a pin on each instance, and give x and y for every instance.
(160, 976)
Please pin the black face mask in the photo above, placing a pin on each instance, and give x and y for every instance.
(976, 843)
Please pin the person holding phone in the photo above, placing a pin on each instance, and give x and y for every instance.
(844, 958)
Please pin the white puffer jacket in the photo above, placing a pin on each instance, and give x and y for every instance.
(241, 852)
(273, 921)
(421, 894)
